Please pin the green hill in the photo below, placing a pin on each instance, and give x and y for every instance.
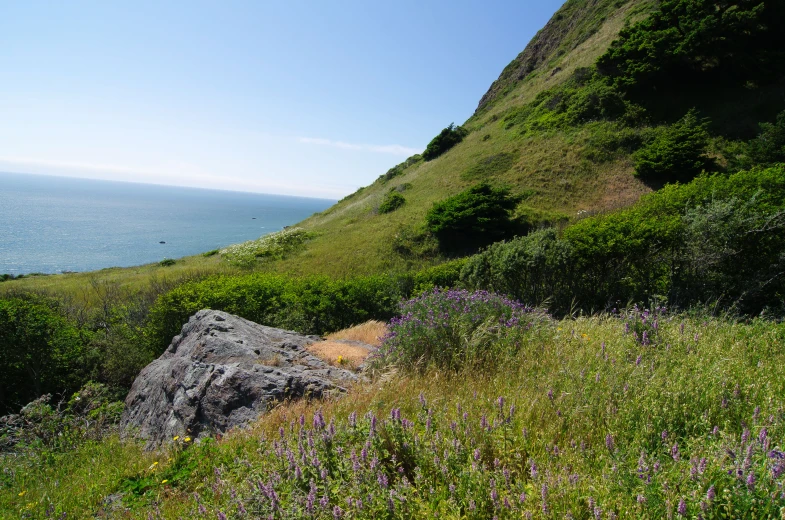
(625, 173)
(561, 132)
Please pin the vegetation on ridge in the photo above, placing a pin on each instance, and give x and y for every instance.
(481, 406)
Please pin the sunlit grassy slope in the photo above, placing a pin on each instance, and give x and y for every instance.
(551, 170)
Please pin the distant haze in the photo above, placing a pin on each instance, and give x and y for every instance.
(55, 224)
(296, 98)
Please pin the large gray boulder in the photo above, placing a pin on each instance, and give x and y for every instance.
(223, 371)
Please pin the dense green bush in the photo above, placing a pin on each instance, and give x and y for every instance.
(392, 201)
(42, 425)
(308, 305)
(677, 152)
(706, 42)
(478, 216)
(584, 98)
(769, 146)
(716, 239)
(41, 352)
(447, 274)
(446, 139)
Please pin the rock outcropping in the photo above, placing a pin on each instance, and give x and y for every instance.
(220, 372)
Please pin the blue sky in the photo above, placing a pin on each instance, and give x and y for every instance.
(289, 97)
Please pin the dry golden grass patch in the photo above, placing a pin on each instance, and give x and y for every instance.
(339, 354)
(369, 332)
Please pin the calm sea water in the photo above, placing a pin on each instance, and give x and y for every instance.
(55, 224)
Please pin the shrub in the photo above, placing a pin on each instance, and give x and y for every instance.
(273, 246)
(392, 201)
(531, 269)
(769, 146)
(167, 262)
(446, 139)
(447, 274)
(88, 415)
(473, 218)
(730, 42)
(455, 329)
(307, 305)
(41, 351)
(677, 152)
(714, 239)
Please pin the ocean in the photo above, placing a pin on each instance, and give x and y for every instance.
(58, 224)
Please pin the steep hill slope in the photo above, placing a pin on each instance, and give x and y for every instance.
(550, 171)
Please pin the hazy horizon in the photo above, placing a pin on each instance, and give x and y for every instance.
(294, 99)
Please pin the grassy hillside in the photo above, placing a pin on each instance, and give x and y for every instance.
(477, 405)
(550, 170)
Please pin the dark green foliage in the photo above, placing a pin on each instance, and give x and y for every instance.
(447, 274)
(310, 306)
(490, 166)
(41, 352)
(607, 141)
(210, 253)
(473, 218)
(699, 41)
(392, 201)
(167, 262)
(585, 97)
(716, 238)
(677, 152)
(769, 146)
(594, 102)
(446, 139)
(41, 426)
(531, 269)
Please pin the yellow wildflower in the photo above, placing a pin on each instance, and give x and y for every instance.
(164, 481)
(187, 439)
(176, 437)
(22, 493)
(340, 360)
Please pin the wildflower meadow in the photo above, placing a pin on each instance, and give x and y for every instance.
(637, 413)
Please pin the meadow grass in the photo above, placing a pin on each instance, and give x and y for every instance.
(589, 417)
(351, 239)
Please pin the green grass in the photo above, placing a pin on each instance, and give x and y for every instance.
(351, 238)
(575, 384)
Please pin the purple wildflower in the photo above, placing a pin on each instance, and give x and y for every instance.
(682, 508)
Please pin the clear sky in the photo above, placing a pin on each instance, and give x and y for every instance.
(289, 97)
